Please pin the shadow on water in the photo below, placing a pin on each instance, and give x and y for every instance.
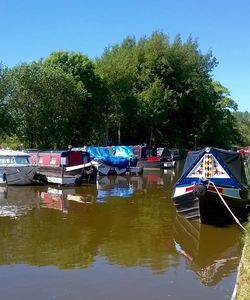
(119, 239)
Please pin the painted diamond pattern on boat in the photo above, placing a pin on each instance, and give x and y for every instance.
(208, 167)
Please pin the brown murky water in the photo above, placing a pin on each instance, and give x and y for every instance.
(118, 240)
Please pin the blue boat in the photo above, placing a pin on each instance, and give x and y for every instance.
(105, 163)
(128, 153)
(213, 186)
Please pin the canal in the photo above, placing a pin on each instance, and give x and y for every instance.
(119, 239)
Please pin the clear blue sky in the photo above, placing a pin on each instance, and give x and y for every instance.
(32, 29)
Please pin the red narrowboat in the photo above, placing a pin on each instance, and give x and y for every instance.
(63, 167)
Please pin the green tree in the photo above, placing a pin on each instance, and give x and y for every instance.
(117, 68)
(169, 92)
(6, 120)
(45, 105)
(92, 115)
(243, 123)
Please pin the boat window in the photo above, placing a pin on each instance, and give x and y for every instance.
(22, 160)
(52, 160)
(85, 159)
(7, 160)
(149, 152)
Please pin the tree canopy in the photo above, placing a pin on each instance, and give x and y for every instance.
(147, 91)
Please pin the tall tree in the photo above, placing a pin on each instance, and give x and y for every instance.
(243, 123)
(6, 120)
(45, 104)
(92, 114)
(117, 67)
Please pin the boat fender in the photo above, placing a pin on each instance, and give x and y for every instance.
(78, 179)
(4, 177)
(244, 192)
(200, 190)
(203, 180)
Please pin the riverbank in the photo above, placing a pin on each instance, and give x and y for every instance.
(242, 288)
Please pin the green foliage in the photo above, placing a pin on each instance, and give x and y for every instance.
(45, 104)
(6, 119)
(171, 88)
(150, 90)
(91, 114)
(243, 124)
(11, 142)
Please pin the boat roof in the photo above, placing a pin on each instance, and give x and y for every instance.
(230, 161)
(9, 152)
(48, 152)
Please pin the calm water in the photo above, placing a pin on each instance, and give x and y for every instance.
(118, 240)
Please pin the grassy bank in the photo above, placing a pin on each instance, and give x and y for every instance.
(243, 286)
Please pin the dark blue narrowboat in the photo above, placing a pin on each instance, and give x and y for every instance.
(213, 186)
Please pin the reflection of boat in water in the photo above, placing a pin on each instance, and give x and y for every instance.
(212, 253)
(14, 201)
(159, 177)
(59, 198)
(113, 186)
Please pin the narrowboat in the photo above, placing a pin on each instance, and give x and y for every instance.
(166, 158)
(63, 167)
(213, 186)
(149, 158)
(105, 163)
(16, 168)
(127, 152)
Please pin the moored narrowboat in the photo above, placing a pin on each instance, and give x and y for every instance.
(213, 186)
(105, 163)
(63, 167)
(153, 158)
(16, 168)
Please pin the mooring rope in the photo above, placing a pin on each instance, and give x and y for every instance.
(224, 202)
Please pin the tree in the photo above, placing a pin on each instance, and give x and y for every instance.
(243, 123)
(45, 105)
(170, 89)
(91, 114)
(6, 120)
(117, 68)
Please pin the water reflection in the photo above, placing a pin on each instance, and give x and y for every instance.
(210, 252)
(123, 223)
(114, 186)
(15, 202)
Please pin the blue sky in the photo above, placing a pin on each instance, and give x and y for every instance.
(32, 29)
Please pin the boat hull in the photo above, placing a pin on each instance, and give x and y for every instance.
(65, 176)
(105, 169)
(186, 203)
(21, 175)
(149, 164)
(207, 204)
(215, 207)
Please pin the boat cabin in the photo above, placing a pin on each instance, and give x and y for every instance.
(55, 159)
(146, 152)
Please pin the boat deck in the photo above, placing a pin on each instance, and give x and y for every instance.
(55, 178)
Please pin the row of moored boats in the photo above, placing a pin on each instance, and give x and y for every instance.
(77, 165)
(214, 182)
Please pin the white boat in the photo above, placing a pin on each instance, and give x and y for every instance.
(16, 168)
